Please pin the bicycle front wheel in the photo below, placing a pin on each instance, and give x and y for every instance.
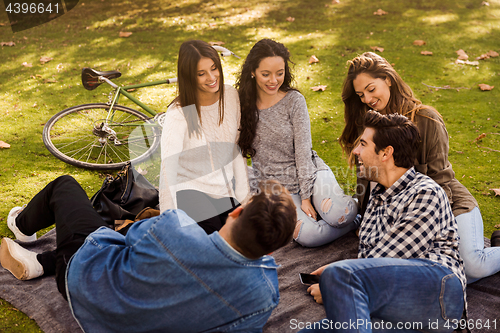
(92, 137)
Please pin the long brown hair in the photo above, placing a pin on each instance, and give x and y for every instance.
(190, 54)
(402, 100)
(247, 89)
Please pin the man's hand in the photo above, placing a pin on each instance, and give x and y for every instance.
(316, 293)
(308, 208)
(320, 270)
(314, 289)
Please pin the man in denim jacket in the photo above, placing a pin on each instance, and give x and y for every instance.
(166, 274)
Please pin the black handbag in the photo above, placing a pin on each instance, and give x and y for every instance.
(124, 196)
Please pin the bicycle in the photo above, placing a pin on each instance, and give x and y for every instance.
(106, 136)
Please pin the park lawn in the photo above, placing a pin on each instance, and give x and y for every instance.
(88, 36)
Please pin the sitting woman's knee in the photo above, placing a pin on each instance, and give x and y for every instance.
(307, 240)
(474, 267)
(296, 232)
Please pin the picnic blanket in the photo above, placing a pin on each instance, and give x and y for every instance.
(41, 301)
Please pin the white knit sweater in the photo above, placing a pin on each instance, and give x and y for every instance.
(206, 162)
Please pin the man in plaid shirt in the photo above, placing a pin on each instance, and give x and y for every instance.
(408, 275)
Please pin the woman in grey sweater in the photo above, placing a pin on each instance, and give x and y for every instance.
(276, 135)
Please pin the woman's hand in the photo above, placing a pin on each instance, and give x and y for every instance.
(308, 208)
(316, 293)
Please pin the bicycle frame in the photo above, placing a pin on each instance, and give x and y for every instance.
(123, 91)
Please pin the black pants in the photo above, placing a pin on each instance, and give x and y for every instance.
(210, 214)
(62, 202)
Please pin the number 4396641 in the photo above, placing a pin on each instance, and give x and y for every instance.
(471, 324)
(32, 8)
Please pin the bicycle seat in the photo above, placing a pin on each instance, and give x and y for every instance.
(90, 77)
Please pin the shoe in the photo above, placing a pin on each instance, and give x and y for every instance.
(11, 223)
(20, 262)
(495, 238)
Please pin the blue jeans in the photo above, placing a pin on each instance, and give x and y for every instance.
(407, 295)
(479, 262)
(336, 212)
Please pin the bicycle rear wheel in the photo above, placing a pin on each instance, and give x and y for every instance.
(91, 137)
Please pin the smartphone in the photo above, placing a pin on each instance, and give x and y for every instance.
(309, 278)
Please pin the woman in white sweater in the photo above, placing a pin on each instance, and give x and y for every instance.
(202, 170)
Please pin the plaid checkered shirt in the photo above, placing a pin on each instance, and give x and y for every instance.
(411, 219)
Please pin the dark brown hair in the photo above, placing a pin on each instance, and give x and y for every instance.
(267, 221)
(397, 131)
(247, 89)
(402, 100)
(190, 54)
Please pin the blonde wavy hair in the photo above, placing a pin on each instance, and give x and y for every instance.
(402, 100)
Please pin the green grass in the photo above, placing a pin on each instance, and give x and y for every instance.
(335, 33)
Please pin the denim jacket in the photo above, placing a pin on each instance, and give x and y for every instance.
(167, 275)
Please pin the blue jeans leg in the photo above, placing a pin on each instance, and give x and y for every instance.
(334, 207)
(336, 212)
(479, 262)
(393, 295)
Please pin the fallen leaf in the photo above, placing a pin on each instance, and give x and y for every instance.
(335, 2)
(487, 55)
(4, 144)
(462, 55)
(485, 3)
(380, 12)
(50, 81)
(212, 25)
(466, 62)
(216, 43)
(419, 42)
(124, 34)
(39, 75)
(44, 60)
(497, 192)
(376, 48)
(493, 54)
(25, 64)
(485, 87)
(426, 53)
(290, 19)
(35, 105)
(142, 172)
(319, 88)
(482, 136)
(7, 44)
(313, 59)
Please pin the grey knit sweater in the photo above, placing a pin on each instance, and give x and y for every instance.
(284, 148)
